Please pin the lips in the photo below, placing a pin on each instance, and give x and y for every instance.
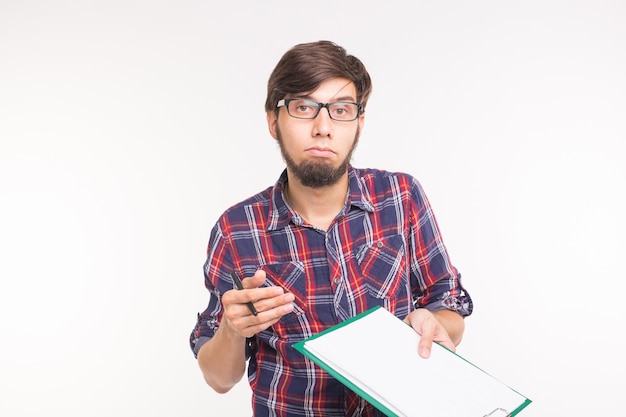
(320, 152)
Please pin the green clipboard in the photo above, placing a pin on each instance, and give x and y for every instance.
(375, 355)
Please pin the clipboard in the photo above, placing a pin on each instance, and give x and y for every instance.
(375, 355)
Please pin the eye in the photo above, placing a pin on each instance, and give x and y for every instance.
(343, 111)
(302, 107)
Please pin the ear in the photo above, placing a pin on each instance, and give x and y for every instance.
(272, 121)
(361, 120)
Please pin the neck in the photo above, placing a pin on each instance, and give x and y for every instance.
(318, 206)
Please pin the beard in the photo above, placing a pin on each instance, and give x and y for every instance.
(317, 174)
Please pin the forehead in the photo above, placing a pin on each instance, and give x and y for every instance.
(333, 89)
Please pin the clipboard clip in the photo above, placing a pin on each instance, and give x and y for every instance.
(506, 413)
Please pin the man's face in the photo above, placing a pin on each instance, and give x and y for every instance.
(317, 151)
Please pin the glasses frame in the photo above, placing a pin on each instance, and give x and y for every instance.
(285, 103)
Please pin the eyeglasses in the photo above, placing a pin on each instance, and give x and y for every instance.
(301, 108)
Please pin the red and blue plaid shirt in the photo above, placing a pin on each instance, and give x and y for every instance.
(383, 249)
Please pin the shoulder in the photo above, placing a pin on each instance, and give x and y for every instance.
(250, 213)
(373, 177)
(383, 187)
(258, 200)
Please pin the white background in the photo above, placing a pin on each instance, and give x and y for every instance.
(127, 127)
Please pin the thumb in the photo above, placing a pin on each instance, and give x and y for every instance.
(255, 281)
(425, 343)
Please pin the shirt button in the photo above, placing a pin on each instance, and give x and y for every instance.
(337, 281)
(379, 244)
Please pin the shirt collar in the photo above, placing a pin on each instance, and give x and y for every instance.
(280, 215)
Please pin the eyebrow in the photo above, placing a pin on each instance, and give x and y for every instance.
(334, 100)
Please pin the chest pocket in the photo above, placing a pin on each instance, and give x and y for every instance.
(290, 276)
(384, 267)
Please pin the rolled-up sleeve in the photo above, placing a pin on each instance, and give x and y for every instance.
(208, 321)
(436, 283)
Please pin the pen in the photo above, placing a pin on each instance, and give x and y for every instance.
(239, 285)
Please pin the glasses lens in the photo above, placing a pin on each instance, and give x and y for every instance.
(303, 109)
(343, 111)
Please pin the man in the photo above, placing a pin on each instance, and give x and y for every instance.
(328, 241)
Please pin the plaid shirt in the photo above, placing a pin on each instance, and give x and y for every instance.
(384, 248)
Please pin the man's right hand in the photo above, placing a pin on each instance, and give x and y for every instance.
(270, 302)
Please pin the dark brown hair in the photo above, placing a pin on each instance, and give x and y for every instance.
(305, 66)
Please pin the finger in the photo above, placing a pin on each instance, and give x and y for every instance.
(279, 301)
(267, 296)
(426, 339)
(264, 299)
(444, 340)
(254, 328)
(248, 324)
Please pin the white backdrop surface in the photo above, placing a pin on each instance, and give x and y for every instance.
(127, 127)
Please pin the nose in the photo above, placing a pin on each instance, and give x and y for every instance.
(322, 125)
